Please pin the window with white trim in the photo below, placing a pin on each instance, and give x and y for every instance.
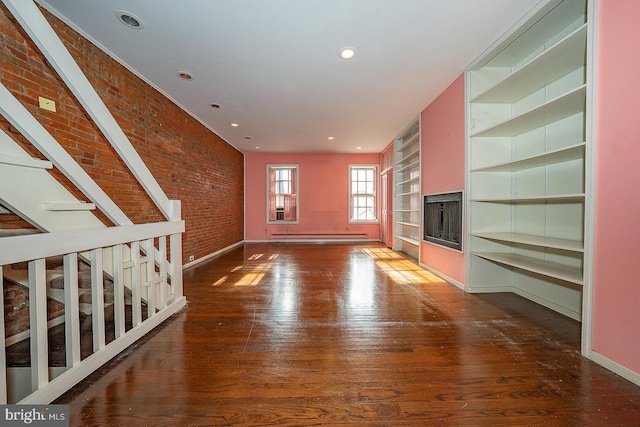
(282, 184)
(363, 198)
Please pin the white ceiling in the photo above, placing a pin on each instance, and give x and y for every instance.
(273, 65)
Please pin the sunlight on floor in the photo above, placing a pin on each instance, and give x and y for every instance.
(220, 281)
(400, 269)
(255, 271)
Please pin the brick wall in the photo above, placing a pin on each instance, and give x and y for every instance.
(190, 162)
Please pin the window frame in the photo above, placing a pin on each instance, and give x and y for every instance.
(376, 202)
(295, 193)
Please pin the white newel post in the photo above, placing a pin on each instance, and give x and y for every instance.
(175, 243)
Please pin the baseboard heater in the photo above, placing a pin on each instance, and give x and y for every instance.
(321, 235)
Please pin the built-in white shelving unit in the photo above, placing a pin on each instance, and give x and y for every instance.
(407, 191)
(528, 156)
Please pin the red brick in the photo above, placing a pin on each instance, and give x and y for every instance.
(174, 146)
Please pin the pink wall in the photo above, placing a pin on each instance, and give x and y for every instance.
(617, 240)
(442, 138)
(323, 194)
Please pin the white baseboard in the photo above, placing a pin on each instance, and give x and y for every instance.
(206, 257)
(615, 367)
(295, 240)
(549, 304)
(489, 289)
(443, 276)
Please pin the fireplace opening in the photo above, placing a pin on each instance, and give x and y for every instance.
(443, 219)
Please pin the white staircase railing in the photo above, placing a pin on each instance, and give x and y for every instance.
(43, 383)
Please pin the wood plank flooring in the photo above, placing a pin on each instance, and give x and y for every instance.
(348, 334)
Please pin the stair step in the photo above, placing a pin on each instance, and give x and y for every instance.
(69, 206)
(17, 317)
(84, 281)
(18, 354)
(28, 162)
(62, 211)
(10, 232)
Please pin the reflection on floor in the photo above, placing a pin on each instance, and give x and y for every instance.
(350, 334)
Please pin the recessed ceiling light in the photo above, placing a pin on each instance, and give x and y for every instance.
(330, 138)
(358, 148)
(234, 125)
(129, 19)
(185, 75)
(347, 53)
(257, 147)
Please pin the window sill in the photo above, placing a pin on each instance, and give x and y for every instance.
(373, 221)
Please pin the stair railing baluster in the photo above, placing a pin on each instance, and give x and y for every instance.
(39, 347)
(162, 243)
(118, 291)
(136, 278)
(151, 278)
(72, 308)
(97, 299)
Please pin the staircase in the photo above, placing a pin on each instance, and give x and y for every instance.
(17, 296)
(29, 190)
(79, 289)
(101, 294)
(50, 207)
(17, 320)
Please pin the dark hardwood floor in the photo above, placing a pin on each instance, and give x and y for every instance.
(346, 334)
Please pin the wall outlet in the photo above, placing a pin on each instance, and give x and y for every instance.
(47, 104)
(191, 257)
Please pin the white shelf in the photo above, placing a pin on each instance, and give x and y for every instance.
(559, 60)
(573, 152)
(408, 224)
(560, 198)
(407, 190)
(409, 193)
(410, 166)
(408, 240)
(527, 159)
(534, 265)
(411, 155)
(410, 141)
(415, 179)
(520, 47)
(540, 241)
(563, 106)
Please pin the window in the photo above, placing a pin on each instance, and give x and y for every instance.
(363, 206)
(282, 181)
